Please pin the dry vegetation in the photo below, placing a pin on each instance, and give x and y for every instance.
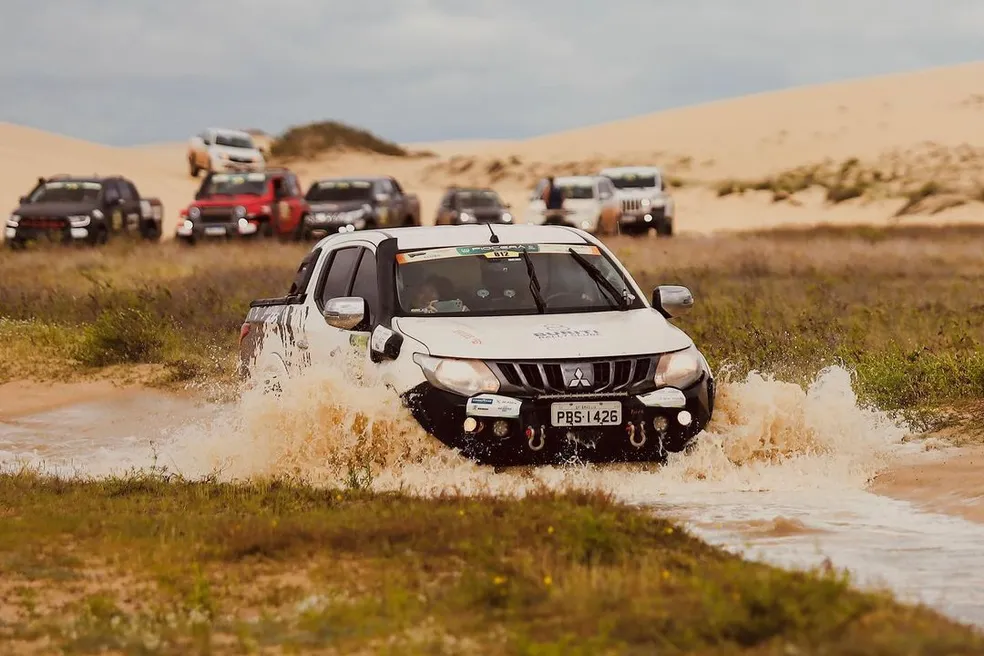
(162, 565)
(514, 170)
(929, 179)
(315, 139)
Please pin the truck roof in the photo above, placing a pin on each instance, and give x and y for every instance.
(230, 132)
(448, 236)
(575, 179)
(629, 170)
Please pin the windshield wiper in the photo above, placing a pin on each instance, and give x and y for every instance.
(534, 283)
(621, 299)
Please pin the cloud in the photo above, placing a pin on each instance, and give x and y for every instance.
(129, 71)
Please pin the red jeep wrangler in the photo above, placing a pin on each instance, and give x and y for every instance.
(266, 203)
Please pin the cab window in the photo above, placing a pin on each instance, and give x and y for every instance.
(365, 286)
(337, 279)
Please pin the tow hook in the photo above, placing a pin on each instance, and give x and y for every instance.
(531, 438)
(635, 441)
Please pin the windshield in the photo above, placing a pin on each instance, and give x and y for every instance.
(234, 184)
(495, 280)
(634, 181)
(478, 199)
(233, 141)
(580, 190)
(66, 192)
(339, 191)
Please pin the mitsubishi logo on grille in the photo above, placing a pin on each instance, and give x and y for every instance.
(579, 380)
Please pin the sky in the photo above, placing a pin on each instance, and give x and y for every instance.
(124, 72)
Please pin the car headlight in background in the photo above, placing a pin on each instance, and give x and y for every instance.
(679, 369)
(13, 221)
(465, 217)
(79, 221)
(96, 214)
(240, 211)
(507, 217)
(464, 377)
(194, 213)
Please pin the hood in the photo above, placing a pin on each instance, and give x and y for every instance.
(552, 336)
(639, 193)
(54, 209)
(236, 152)
(337, 206)
(246, 200)
(485, 213)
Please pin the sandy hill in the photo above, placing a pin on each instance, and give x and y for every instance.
(885, 140)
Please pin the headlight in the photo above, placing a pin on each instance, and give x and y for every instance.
(507, 217)
(79, 221)
(194, 213)
(97, 214)
(13, 221)
(646, 202)
(240, 211)
(465, 217)
(679, 369)
(464, 377)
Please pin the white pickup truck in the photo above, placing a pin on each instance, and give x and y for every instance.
(218, 150)
(515, 344)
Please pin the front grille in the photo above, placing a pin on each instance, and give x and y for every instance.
(216, 215)
(43, 223)
(241, 160)
(607, 376)
(631, 204)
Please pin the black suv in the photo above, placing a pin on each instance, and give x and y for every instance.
(83, 209)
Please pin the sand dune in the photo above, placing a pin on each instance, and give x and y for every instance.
(907, 120)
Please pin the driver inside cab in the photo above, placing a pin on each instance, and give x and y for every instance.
(436, 294)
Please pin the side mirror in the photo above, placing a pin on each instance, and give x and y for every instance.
(384, 344)
(345, 312)
(672, 300)
(22, 200)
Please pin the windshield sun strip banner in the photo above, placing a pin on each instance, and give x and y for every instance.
(493, 252)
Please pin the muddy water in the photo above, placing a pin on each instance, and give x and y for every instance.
(781, 475)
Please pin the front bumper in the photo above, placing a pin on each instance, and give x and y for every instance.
(62, 234)
(321, 224)
(227, 166)
(643, 217)
(532, 440)
(195, 230)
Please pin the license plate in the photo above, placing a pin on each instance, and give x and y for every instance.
(215, 231)
(587, 413)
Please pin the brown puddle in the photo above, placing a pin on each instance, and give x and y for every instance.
(951, 482)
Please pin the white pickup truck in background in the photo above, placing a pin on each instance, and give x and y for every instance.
(222, 150)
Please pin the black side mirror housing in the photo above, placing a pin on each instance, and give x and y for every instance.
(384, 344)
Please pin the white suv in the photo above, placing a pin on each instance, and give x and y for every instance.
(514, 344)
(219, 150)
(645, 201)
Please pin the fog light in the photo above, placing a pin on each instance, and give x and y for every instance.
(661, 424)
(684, 418)
(501, 428)
(648, 218)
(470, 425)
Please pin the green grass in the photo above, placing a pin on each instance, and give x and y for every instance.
(154, 564)
(900, 307)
